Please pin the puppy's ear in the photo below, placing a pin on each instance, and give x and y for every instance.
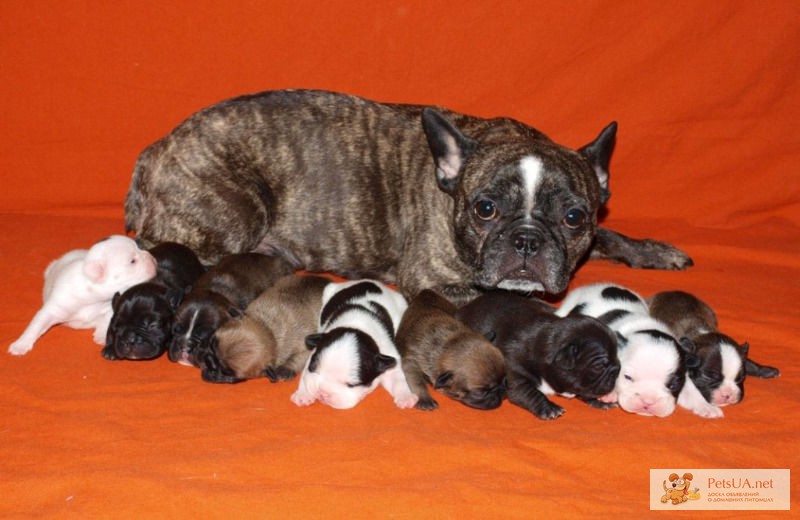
(235, 312)
(687, 345)
(688, 476)
(384, 363)
(673, 477)
(599, 154)
(115, 301)
(565, 357)
(312, 340)
(94, 269)
(443, 380)
(450, 148)
(174, 298)
(745, 348)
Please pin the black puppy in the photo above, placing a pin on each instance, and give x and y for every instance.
(223, 292)
(574, 356)
(141, 327)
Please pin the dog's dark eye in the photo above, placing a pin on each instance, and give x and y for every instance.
(574, 218)
(485, 209)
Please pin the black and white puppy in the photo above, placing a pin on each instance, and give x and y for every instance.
(141, 327)
(573, 356)
(354, 350)
(653, 366)
(722, 362)
(224, 291)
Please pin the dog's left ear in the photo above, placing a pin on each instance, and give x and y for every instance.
(565, 358)
(745, 348)
(599, 154)
(312, 340)
(94, 269)
(443, 380)
(450, 148)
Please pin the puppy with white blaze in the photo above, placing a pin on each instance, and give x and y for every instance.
(653, 366)
(354, 350)
(79, 286)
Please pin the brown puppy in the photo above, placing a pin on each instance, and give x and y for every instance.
(269, 338)
(436, 348)
(221, 293)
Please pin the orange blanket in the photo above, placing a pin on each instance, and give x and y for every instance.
(707, 97)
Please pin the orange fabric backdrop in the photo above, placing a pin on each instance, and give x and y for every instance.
(706, 95)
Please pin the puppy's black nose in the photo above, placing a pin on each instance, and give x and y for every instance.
(526, 242)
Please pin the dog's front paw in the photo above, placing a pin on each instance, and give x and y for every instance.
(20, 348)
(548, 410)
(427, 404)
(653, 254)
(708, 411)
(302, 398)
(406, 400)
(110, 354)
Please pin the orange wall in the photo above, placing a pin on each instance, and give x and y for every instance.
(706, 93)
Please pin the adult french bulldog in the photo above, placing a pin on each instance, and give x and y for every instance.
(141, 327)
(437, 348)
(723, 363)
(573, 356)
(420, 196)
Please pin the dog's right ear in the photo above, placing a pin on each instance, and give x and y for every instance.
(450, 148)
(687, 345)
(312, 340)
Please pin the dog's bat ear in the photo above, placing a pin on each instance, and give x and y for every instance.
(450, 148)
(94, 270)
(443, 380)
(687, 345)
(745, 348)
(235, 312)
(312, 340)
(384, 363)
(599, 154)
(565, 358)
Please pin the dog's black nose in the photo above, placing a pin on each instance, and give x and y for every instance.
(526, 242)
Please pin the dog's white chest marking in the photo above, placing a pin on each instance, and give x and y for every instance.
(530, 169)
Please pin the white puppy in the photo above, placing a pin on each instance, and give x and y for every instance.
(653, 366)
(79, 286)
(354, 350)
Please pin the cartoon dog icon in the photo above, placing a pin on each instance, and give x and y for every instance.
(679, 491)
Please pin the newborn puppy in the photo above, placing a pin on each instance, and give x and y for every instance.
(222, 292)
(178, 266)
(545, 354)
(269, 338)
(141, 327)
(79, 286)
(653, 366)
(723, 362)
(438, 349)
(354, 350)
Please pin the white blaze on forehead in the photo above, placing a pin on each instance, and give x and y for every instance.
(731, 362)
(530, 169)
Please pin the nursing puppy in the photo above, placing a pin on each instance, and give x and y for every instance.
(224, 291)
(438, 349)
(141, 327)
(354, 350)
(573, 356)
(653, 366)
(268, 340)
(79, 286)
(723, 362)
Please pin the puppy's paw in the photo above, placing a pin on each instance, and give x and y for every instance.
(99, 336)
(653, 254)
(110, 354)
(548, 411)
(600, 405)
(426, 403)
(302, 398)
(708, 411)
(275, 374)
(20, 348)
(405, 400)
